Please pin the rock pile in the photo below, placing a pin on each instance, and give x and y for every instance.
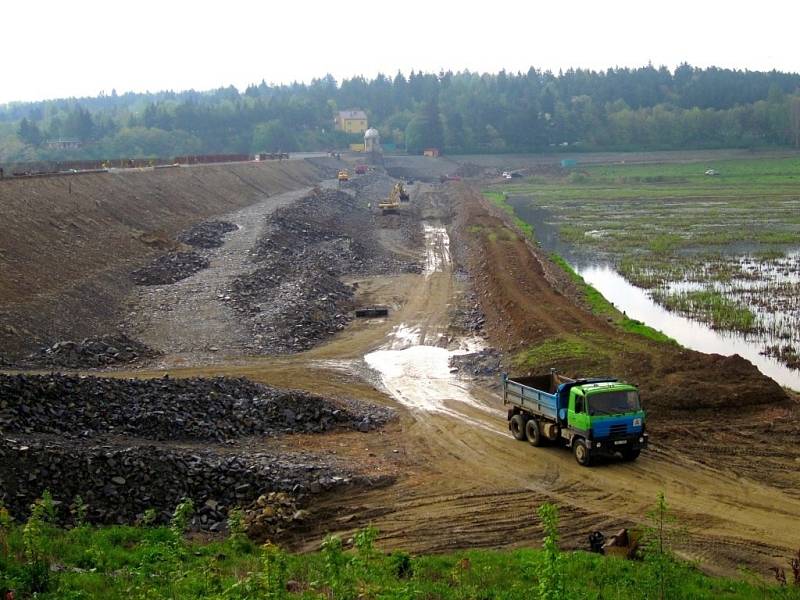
(170, 268)
(169, 409)
(485, 363)
(293, 313)
(294, 299)
(90, 353)
(210, 234)
(271, 514)
(120, 483)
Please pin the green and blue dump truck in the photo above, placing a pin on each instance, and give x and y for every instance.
(594, 417)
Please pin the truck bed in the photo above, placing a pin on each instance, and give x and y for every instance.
(537, 394)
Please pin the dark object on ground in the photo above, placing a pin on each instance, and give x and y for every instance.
(596, 541)
(372, 311)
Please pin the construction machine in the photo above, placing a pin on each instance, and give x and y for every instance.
(343, 175)
(396, 196)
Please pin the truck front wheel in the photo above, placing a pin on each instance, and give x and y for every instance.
(533, 433)
(517, 426)
(581, 453)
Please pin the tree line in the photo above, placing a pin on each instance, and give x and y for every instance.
(644, 108)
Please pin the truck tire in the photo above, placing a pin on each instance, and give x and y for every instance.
(630, 454)
(581, 453)
(533, 433)
(517, 427)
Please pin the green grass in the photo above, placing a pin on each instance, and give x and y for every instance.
(498, 199)
(553, 351)
(132, 563)
(709, 306)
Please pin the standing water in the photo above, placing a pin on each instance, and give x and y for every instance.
(637, 303)
(418, 375)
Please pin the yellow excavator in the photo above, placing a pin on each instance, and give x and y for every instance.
(396, 196)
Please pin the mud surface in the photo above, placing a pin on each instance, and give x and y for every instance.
(723, 436)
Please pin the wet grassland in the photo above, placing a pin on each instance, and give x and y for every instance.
(718, 242)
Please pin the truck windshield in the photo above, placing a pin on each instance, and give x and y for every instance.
(611, 403)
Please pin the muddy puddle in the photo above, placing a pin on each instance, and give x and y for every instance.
(416, 373)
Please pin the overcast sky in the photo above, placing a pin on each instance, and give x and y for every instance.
(53, 49)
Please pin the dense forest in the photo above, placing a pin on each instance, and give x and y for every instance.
(464, 112)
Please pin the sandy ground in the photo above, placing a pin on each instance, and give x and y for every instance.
(464, 482)
(732, 476)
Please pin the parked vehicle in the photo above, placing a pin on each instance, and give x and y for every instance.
(361, 169)
(593, 417)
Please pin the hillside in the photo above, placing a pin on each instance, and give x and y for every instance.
(69, 244)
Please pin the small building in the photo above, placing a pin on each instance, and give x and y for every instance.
(432, 152)
(372, 140)
(568, 163)
(62, 144)
(351, 121)
(356, 147)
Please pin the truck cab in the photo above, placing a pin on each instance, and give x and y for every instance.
(604, 418)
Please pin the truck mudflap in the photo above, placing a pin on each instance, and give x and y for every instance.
(610, 446)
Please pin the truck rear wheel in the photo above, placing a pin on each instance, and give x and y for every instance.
(533, 433)
(517, 426)
(581, 453)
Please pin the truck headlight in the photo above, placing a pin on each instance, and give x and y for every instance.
(641, 440)
(598, 444)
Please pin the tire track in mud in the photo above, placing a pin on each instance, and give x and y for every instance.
(467, 486)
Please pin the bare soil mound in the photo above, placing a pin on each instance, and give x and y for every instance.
(69, 244)
(528, 305)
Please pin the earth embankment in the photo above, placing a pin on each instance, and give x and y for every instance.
(69, 244)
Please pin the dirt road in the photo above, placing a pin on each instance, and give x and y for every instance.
(470, 484)
(463, 481)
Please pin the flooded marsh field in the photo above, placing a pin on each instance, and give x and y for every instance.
(720, 250)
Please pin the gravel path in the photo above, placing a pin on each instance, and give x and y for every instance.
(191, 320)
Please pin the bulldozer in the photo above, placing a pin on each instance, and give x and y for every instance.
(396, 196)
